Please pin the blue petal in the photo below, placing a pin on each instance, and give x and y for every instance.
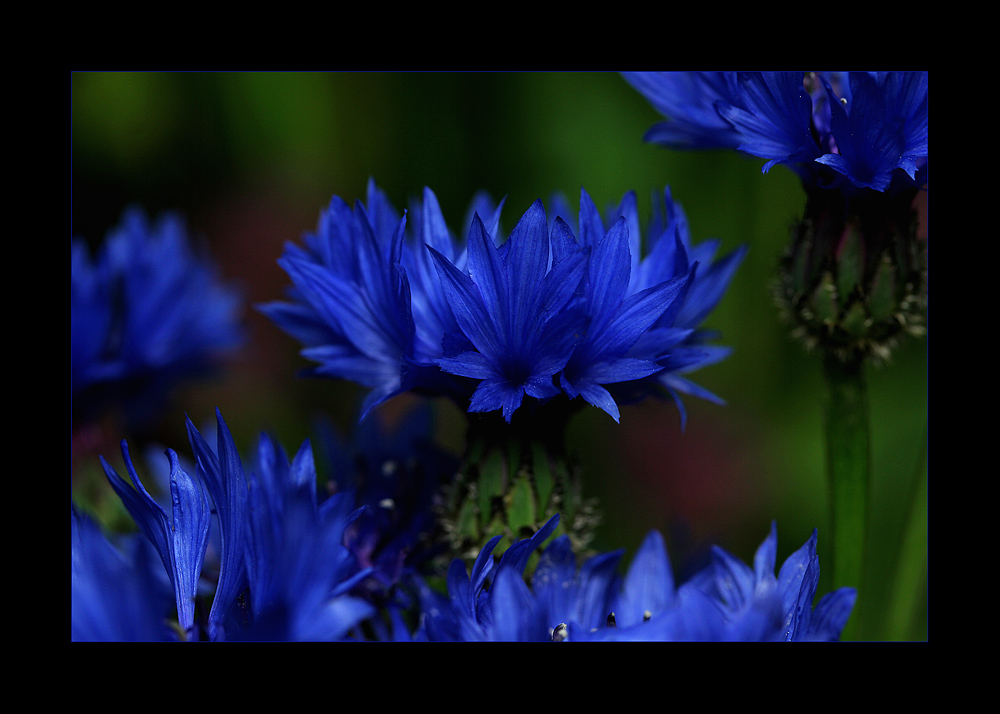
(181, 538)
(516, 556)
(467, 304)
(649, 583)
(689, 100)
(489, 276)
(468, 364)
(223, 474)
(525, 265)
(766, 556)
(831, 614)
(775, 116)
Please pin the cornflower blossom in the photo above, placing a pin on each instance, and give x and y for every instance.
(284, 572)
(494, 320)
(739, 589)
(846, 130)
(727, 601)
(146, 310)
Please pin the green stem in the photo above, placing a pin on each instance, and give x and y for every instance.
(848, 462)
(910, 581)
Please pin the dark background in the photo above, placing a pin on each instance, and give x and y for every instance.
(252, 158)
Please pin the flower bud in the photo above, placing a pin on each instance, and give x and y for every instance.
(514, 478)
(853, 282)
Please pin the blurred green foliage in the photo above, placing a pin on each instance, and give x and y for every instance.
(252, 158)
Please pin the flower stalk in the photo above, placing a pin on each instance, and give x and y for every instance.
(911, 560)
(853, 285)
(848, 464)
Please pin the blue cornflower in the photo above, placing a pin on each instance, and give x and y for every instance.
(284, 572)
(728, 601)
(739, 589)
(852, 130)
(397, 305)
(853, 279)
(145, 310)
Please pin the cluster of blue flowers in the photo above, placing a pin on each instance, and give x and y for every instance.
(278, 556)
(280, 562)
(726, 601)
(577, 305)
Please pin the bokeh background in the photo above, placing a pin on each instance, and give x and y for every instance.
(250, 159)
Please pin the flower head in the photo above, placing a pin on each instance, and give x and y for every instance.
(284, 571)
(728, 601)
(853, 281)
(145, 311)
(852, 130)
(399, 305)
(739, 589)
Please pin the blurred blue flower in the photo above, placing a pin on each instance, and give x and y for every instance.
(396, 473)
(728, 601)
(117, 594)
(146, 310)
(848, 130)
